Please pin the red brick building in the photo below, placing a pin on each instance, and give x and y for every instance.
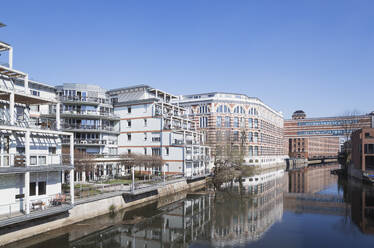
(363, 149)
(319, 137)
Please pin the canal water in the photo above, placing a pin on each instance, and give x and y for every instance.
(308, 207)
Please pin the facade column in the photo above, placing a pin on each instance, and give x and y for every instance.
(27, 84)
(10, 57)
(163, 171)
(71, 178)
(27, 192)
(132, 179)
(11, 109)
(27, 174)
(58, 119)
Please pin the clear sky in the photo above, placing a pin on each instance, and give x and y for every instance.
(315, 55)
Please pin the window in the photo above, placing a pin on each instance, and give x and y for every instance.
(32, 189)
(256, 123)
(239, 110)
(227, 121)
(129, 123)
(236, 122)
(251, 151)
(145, 137)
(145, 150)
(114, 100)
(156, 151)
(33, 160)
(42, 188)
(218, 135)
(255, 151)
(129, 137)
(42, 160)
(128, 151)
(167, 151)
(52, 150)
(242, 123)
(219, 121)
(129, 110)
(250, 137)
(145, 122)
(250, 123)
(236, 135)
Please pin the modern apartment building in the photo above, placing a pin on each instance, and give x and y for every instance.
(311, 138)
(151, 124)
(232, 121)
(86, 111)
(32, 163)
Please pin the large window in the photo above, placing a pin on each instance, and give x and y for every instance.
(255, 138)
(250, 150)
(250, 137)
(236, 122)
(219, 121)
(227, 121)
(32, 189)
(156, 151)
(42, 188)
(250, 123)
(256, 123)
(239, 110)
(236, 135)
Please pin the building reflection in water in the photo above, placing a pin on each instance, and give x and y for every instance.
(245, 215)
(235, 216)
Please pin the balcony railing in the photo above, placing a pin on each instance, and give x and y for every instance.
(88, 112)
(84, 99)
(90, 142)
(89, 127)
(19, 160)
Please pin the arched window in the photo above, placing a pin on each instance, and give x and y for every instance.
(219, 109)
(239, 110)
(226, 109)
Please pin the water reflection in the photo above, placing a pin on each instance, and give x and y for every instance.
(294, 208)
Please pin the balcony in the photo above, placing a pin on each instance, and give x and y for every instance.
(38, 162)
(83, 100)
(88, 113)
(177, 142)
(14, 213)
(90, 142)
(88, 128)
(22, 120)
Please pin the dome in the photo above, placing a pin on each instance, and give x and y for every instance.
(298, 114)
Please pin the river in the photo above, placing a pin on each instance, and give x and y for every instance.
(308, 207)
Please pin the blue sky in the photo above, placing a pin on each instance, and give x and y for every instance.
(314, 55)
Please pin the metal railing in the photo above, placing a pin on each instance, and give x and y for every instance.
(89, 112)
(86, 141)
(89, 127)
(19, 160)
(84, 99)
(18, 207)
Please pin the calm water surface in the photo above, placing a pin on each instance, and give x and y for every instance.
(303, 208)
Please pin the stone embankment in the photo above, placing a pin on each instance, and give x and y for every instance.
(90, 209)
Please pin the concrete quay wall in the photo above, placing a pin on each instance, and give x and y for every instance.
(92, 209)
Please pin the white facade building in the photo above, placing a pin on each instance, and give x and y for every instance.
(31, 158)
(151, 125)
